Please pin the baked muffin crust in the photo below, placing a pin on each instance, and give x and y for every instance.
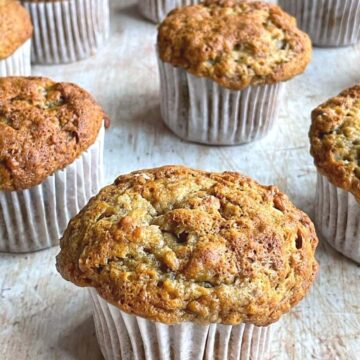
(335, 140)
(235, 43)
(15, 27)
(44, 126)
(173, 244)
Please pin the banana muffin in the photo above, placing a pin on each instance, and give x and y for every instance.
(223, 64)
(329, 23)
(67, 30)
(15, 39)
(51, 140)
(335, 146)
(187, 261)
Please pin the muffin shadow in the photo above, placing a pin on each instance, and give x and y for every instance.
(130, 11)
(148, 119)
(80, 342)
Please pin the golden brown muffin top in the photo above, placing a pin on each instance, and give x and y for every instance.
(235, 43)
(44, 126)
(335, 140)
(174, 244)
(15, 27)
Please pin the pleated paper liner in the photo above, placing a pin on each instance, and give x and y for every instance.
(199, 110)
(127, 337)
(67, 30)
(18, 64)
(328, 22)
(156, 10)
(337, 217)
(36, 218)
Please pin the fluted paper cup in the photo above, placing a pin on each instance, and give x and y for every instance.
(337, 216)
(67, 30)
(36, 218)
(199, 110)
(328, 22)
(156, 10)
(18, 64)
(123, 337)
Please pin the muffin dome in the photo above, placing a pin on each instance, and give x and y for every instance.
(335, 140)
(15, 27)
(44, 126)
(235, 43)
(173, 244)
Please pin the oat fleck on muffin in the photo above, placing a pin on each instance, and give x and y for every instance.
(174, 244)
(235, 43)
(44, 126)
(335, 140)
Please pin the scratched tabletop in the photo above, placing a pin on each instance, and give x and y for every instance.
(44, 317)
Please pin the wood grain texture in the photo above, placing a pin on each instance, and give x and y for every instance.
(44, 317)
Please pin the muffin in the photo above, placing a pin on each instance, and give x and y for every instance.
(51, 149)
(335, 146)
(15, 39)
(156, 10)
(187, 264)
(67, 30)
(329, 23)
(222, 67)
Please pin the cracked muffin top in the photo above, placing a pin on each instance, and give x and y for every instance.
(335, 140)
(15, 27)
(174, 244)
(235, 43)
(44, 126)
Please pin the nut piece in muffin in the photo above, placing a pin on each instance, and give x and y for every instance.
(335, 146)
(177, 245)
(223, 65)
(44, 126)
(51, 140)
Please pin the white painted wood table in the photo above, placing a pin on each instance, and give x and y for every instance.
(44, 317)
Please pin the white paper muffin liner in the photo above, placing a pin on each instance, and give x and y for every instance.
(123, 337)
(156, 10)
(199, 110)
(68, 30)
(19, 63)
(36, 218)
(337, 217)
(328, 22)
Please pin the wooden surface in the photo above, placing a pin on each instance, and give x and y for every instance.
(44, 317)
